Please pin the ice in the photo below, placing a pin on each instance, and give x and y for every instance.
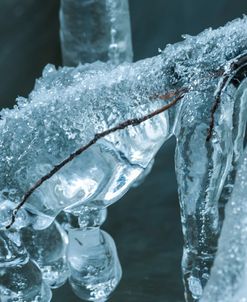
(94, 264)
(95, 30)
(48, 248)
(12, 252)
(65, 110)
(20, 277)
(69, 106)
(202, 171)
(229, 273)
(113, 44)
(6, 209)
(91, 216)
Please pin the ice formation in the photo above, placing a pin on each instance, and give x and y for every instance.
(228, 276)
(95, 30)
(65, 111)
(20, 277)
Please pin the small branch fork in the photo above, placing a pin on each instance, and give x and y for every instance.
(176, 95)
(234, 67)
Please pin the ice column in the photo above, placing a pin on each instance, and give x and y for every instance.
(94, 30)
(203, 169)
(92, 257)
(228, 278)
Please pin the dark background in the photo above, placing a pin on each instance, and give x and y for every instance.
(145, 223)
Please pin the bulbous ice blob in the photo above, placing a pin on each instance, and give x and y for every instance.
(92, 216)
(20, 277)
(12, 251)
(48, 248)
(94, 264)
(6, 210)
(101, 173)
(23, 283)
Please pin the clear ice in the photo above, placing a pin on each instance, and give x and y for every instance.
(94, 264)
(68, 107)
(229, 273)
(95, 30)
(48, 248)
(20, 277)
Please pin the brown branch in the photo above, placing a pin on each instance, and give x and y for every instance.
(131, 122)
(170, 94)
(215, 107)
(237, 64)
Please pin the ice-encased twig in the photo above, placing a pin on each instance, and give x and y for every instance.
(228, 278)
(68, 106)
(95, 30)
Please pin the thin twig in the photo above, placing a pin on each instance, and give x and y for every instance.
(215, 107)
(131, 122)
(168, 95)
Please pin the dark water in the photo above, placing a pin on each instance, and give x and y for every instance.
(145, 223)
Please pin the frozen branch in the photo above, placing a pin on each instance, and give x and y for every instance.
(132, 122)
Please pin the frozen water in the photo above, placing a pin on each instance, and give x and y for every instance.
(94, 264)
(95, 30)
(229, 274)
(69, 106)
(20, 277)
(48, 248)
(92, 216)
(12, 251)
(202, 169)
(6, 210)
(75, 105)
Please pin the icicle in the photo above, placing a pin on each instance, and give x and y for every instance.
(95, 30)
(228, 278)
